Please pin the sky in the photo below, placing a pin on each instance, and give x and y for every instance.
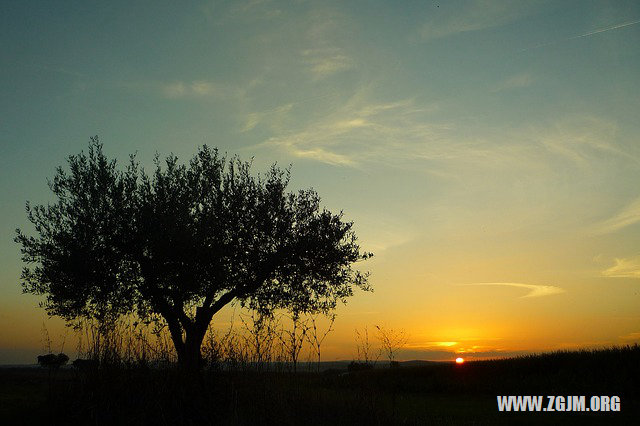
(488, 151)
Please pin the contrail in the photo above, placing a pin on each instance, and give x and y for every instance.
(601, 30)
(590, 33)
(535, 290)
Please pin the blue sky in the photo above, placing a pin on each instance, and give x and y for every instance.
(472, 142)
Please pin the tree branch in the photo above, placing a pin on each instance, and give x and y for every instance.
(222, 301)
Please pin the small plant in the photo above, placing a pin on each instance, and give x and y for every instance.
(316, 338)
(259, 335)
(293, 340)
(364, 348)
(46, 339)
(392, 341)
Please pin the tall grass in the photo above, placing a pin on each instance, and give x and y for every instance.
(250, 342)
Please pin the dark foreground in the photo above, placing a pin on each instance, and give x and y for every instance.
(431, 394)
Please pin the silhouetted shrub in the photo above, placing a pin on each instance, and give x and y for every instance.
(52, 360)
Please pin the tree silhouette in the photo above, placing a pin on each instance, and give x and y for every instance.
(183, 242)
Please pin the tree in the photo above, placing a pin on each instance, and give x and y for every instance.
(181, 243)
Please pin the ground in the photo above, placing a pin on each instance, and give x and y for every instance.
(437, 393)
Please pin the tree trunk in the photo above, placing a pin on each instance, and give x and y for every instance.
(190, 355)
(189, 349)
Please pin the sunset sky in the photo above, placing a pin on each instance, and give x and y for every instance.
(487, 151)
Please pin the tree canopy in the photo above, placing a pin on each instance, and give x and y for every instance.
(183, 242)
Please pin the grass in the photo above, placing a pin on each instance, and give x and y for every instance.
(438, 393)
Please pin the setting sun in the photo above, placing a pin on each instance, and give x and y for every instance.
(459, 360)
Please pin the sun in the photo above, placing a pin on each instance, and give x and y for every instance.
(459, 360)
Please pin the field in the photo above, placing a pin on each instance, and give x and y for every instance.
(433, 393)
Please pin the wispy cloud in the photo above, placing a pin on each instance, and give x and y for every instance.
(426, 345)
(356, 130)
(379, 234)
(324, 62)
(535, 290)
(361, 131)
(248, 5)
(198, 88)
(323, 156)
(470, 346)
(474, 15)
(631, 336)
(625, 217)
(514, 82)
(275, 118)
(444, 355)
(63, 70)
(582, 139)
(587, 34)
(220, 12)
(325, 53)
(624, 268)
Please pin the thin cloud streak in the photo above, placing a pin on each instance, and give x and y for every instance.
(381, 234)
(476, 15)
(601, 30)
(396, 132)
(624, 268)
(514, 82)
(583, 140)
(360, 132)
(535, 290)
(406, 354)
(428, 345)
(626, 217)
(631, 336)
(325, 53)
(326, 61)
(323, 156)
(590, 33)
(195, 89)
